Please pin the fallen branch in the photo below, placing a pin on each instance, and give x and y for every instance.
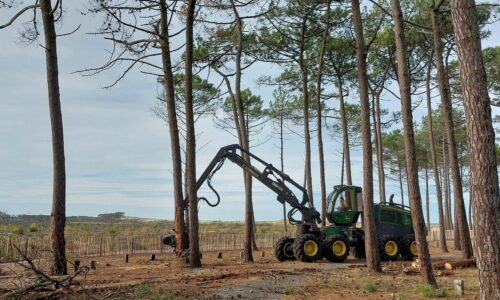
(45, 286)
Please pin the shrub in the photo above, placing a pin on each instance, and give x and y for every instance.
(142, 290)
(113, 231)
(17, 230)
(428, 291)
(369, 286)
(33, 227)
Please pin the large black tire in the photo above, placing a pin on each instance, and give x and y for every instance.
(308, 248)
(388, 248)
(283, 250)
(359, 249)
(336, 248)
(408, 247)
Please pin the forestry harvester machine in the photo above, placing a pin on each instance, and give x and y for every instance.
(345, 206)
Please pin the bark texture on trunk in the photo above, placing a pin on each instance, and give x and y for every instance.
(486, 202)
(180, 230)
(346, 152)
(446, 109)
(319, 118)
(243, 139)
(371, 243)
(435, 167)
(58, 214)
(427, 213)
(305, 104)
(411, 162)
(194, 245)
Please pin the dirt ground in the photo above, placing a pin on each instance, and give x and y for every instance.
(266, 278)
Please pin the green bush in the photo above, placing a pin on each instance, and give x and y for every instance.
(17, 230)
(428, 291)
(369, 286)
(113, 231)
(142, 290)
(33, 227)
(163, 296)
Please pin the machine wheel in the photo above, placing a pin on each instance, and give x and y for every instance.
(388, 248)
(409, 247)
(359, 250)
(336, 248)
(308, 248)
(283, 250)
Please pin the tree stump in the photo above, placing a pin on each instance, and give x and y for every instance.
(219, 255)
(459, 287)
(126, 258)
(263, 254)
(152, 257)
(93, 265)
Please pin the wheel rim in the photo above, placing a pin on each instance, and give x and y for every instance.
(413, 248)
(310, 248)
(339, 248)
(391, 248)
(287, 250)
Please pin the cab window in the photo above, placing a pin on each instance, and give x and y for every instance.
(344, 201)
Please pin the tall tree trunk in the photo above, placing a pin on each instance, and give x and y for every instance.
(371, 243)
(181, 236)
(411, 161)
(486, 202)
(470, 199)
(305, 95)
(378, 144)
(427, 214)
(380, 150)
(447, 214)
(58, 214)
(243, 137)
(345, 132)
(319, 109)
(435, 167)
(194, 246)
(401, 183)
(282, 164)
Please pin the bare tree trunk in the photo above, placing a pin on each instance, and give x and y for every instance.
(447, 214)
(243, 137)
(345, 132)
(470, 200)
(411, 162)
(58, 214)
(181, 236)
(446, 109)
(319, 109)
(305, 95)
(371, 243)
(427, 214)
(282, 164)
(380, 149)
(401, 183)
(437, 180)
(486, 202)
(194, 246)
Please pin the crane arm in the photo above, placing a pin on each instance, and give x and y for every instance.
(270, 176)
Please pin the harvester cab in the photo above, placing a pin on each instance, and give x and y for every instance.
(345, 204)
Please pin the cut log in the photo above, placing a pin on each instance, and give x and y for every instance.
(451, 265)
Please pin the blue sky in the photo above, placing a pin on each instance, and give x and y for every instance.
(117, 152)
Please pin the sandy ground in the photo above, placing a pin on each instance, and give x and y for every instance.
(265, 278)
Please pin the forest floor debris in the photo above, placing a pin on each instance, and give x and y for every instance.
(229, 278)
